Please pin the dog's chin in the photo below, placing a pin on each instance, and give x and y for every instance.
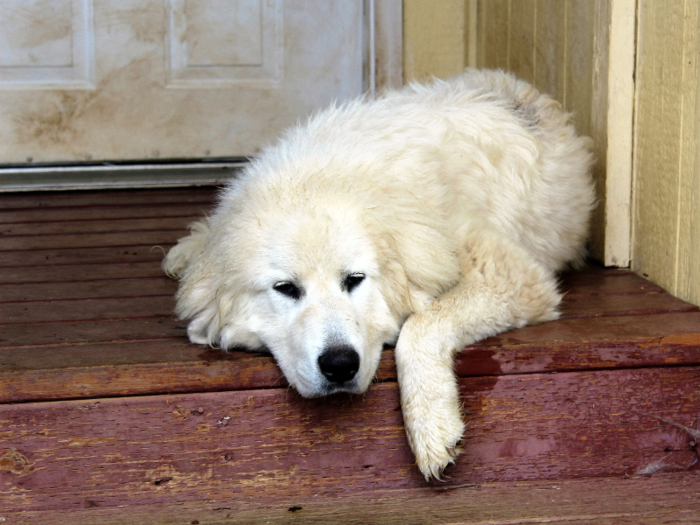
(328, 389)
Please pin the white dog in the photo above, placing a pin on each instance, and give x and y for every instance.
(431, 218)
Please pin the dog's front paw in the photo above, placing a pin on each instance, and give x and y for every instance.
(434, 432)
(429, 398)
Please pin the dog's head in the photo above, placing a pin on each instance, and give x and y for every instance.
(310, 283)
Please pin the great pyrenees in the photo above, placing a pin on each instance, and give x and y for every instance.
(428, 219)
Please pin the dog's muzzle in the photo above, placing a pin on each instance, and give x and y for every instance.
(339, 364)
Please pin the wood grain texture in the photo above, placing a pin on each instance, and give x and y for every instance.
(434, 36)
(127, 253)
(96, 344)
(521, 54)
(151, 450)
(668, 499)
(665, 158)
(88, 240)
(79, 272)
(99, 213)
(580, 35)
(108, 414)
(86, 309)
(620, 127)
(494, 35)
(688, 241)
(580, 52)
(155, 357)
(38, 228)
(86, 199)
(87, 289)
(598, 115)
(389, 44)
(550, 48)
(98, 321)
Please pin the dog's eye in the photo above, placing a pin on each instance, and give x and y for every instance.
(352, 281)
(288, 289)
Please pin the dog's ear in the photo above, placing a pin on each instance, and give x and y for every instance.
(197, 301)
(216, 301)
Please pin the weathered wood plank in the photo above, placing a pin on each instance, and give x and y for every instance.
(434, 37)
(91, 355)
(155, 450)
(80, 272)
(666, 93)
(688, 244)
(522, 57)
(155, 350)
(131, 252)
(667, 498)
(141, 224)
(103, 288)
(99, 213)
(87, 240)
(494, 34)
(579, 63)
(649, 328)
(68, 333)
(574, 305)
(86, 309)
(606, 282)
(580, 305)
(189, 369)
(74, 199)
(550, 38)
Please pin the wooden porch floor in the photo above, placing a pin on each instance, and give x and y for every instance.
(109, 415)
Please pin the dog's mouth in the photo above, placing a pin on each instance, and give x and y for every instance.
(350, 387)
(329, 389)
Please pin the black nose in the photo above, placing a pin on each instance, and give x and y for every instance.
(339, 363)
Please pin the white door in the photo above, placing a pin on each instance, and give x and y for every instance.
(115, 80)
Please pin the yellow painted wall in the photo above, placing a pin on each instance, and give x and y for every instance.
(666, 245)
(434, 38)
(568, 48)
(549, 43)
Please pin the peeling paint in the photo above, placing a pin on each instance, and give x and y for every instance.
(11, 460)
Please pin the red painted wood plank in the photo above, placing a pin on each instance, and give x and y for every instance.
(573, 306)
(99, 255)
(599, 281)
(111, 288)
(88, 240)
(103, 213)
(649, 500)
(86, 309)
(96, 226)
(20, 336)
(70, 354)
(574, 344)
(155, 450)
(160, 349)
(80, 272)
(113, 197)
(189, 369)
(582, 305)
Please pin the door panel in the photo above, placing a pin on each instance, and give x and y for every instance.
(90, 80)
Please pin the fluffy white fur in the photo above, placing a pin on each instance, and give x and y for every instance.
(457, 201)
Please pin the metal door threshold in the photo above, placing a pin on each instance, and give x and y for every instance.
(113, 175)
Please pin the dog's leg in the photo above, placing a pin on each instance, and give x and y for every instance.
(501, 287)
(187, 249)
